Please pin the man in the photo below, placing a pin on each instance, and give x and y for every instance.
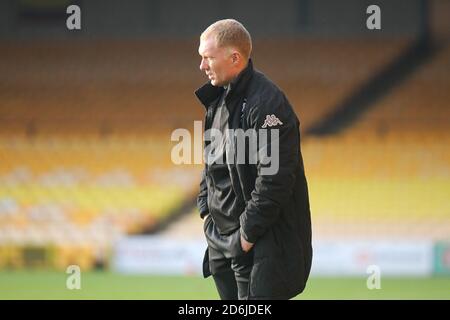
(256, 221)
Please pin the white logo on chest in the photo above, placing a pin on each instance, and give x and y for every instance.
(271, 121)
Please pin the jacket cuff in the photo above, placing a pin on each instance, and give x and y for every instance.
(204, 213)
(246, 234)
(202, 207)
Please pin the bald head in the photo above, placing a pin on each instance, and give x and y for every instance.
(229, 33)
(225, 47)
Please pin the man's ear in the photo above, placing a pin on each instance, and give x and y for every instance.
(236, 57)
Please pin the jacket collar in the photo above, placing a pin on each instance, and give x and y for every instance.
(209, 93)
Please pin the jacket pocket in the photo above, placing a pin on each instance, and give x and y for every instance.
(229, 245)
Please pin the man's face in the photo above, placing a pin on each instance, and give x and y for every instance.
(216, 62)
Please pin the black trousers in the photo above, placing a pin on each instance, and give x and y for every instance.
(231, 275)
(229, 265)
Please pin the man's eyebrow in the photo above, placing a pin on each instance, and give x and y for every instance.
(205, 55)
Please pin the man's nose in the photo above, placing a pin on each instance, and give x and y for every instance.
(203, 65)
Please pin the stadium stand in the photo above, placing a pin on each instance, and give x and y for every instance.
(388, 173)
(85, 142)
(78, 87)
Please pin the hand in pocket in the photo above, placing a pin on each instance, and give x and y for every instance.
(245, 245)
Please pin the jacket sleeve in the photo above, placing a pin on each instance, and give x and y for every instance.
(273, 189)
(202, 199)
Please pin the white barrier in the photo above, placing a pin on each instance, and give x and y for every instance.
(394, 258)
(159, 255)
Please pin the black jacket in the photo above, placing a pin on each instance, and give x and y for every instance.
(276, 213)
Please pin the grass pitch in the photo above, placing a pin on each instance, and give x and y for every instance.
(107, 285)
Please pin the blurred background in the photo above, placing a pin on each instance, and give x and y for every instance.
(86, 118)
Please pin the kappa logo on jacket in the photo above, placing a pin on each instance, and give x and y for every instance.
(271, 121)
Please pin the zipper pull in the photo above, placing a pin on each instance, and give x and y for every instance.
(244, 104)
